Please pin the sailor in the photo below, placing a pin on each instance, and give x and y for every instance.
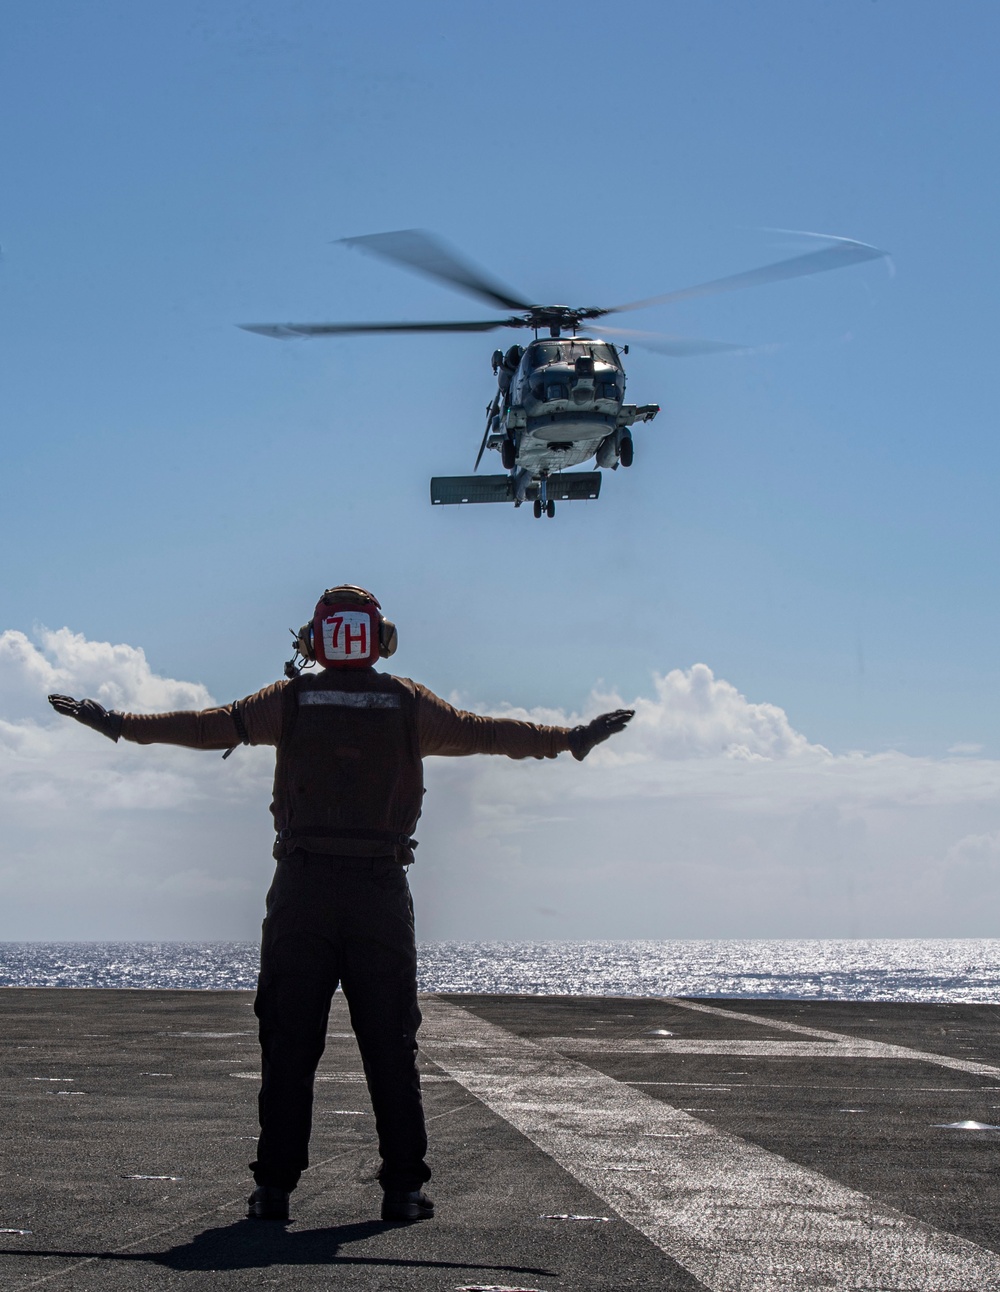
(348, 789)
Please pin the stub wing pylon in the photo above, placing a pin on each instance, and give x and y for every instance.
(631, 413)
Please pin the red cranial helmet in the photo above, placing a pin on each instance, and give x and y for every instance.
(348, 630)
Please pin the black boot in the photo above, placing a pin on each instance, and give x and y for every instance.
(268, 1203)
(406, 1204)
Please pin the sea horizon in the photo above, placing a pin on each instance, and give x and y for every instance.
(944, 970)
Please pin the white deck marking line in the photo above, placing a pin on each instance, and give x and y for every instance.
(826, 1085)
(739, 1218)
(876, 1049)
(849, 1048)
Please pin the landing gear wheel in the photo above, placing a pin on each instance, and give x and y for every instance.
(538, 509)
(508, 455)
(626, 452)
(550, 508)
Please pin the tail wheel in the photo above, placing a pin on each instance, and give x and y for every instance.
(626, 452)
(538, 509)
(550, 508)
(508, 454)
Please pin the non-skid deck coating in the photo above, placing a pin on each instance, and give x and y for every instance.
(727, 1145)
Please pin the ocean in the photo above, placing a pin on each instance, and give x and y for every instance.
(911, 969)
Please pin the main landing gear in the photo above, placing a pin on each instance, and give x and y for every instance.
(626, 451)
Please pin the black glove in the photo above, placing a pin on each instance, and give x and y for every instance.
(90, 713)
(583, 739)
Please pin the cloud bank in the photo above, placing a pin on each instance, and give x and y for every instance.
(710, 817)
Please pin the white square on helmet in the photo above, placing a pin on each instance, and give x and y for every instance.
(347, 635)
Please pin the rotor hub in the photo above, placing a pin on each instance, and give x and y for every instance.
(558, 318)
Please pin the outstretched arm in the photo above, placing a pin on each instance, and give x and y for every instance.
(255, 721)
(450, 731)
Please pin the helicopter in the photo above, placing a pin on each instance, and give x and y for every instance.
(560, 400)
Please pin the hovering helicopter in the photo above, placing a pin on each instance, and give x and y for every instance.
(560, 401)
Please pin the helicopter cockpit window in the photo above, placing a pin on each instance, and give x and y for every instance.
(546, 352)
(539, 355)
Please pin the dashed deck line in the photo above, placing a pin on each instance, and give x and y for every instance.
(736, 1216)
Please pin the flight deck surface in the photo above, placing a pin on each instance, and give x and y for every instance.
(577, 1143)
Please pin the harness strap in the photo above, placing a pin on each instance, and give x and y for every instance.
(240, 725)
(375, 836)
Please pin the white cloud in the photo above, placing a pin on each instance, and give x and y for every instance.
(99, 836)
(118, 676)
(711, 816)
(692, 714)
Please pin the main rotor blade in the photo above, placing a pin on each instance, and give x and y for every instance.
(843, 253)
(677, 347)
(427, 255)
(286, 331)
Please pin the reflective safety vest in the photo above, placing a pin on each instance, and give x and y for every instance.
(348, 779)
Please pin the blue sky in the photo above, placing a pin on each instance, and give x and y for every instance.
(814, 521)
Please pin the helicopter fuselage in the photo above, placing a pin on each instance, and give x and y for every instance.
(562, 405)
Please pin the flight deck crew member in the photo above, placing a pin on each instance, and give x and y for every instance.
(348, 789)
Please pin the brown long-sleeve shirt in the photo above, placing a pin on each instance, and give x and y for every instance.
(441, 728)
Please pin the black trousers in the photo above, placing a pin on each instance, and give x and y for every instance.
(346, 920)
